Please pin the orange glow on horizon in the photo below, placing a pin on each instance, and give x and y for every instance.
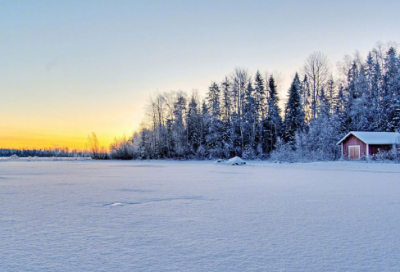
(42, 141)
(66, 127)
(27, 137)
(53, 141)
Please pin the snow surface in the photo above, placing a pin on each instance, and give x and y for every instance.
(377, 138)
(198, 216)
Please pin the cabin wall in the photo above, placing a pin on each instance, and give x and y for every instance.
(352, 140)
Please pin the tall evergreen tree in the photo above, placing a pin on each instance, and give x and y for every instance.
(260, 111)
(226, 99)
(391, 87)
(273, 122)
(249, 122)
(214, 137)
(179, 130)
(194, 124)
(259, 96)
(294, 114)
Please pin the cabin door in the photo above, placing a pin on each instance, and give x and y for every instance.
(354, 152)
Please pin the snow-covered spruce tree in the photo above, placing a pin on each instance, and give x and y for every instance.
(214, 137)
(226, 99)
(227, 108)
(193, 124)
(273, 122)
(305, 96)
(375, 82)
(259, 96)
(249, 123)
(179, 130)
(357, 102)
(294, 114)
(260, 111)
(391, 89)
(395, 120)
(331, 93)
(202, 151)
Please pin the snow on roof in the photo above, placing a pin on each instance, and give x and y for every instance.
(377, 138)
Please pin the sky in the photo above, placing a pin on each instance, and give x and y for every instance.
(68, 68)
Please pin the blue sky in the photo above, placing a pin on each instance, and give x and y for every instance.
(71, 67)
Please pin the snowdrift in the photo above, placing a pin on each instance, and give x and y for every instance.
(234, 161)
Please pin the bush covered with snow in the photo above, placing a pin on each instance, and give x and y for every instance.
(14, 157)
(392, 155)
(235, 161)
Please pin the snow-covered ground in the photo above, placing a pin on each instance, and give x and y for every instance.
(198, 216)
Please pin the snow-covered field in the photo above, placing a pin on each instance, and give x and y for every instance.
(198, 216)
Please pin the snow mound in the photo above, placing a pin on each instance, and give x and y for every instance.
(235, 161)
(14, 157)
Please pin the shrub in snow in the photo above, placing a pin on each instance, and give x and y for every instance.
(316, 144)
(122, 149)
(391, 155)
(201, 152)
(14, 157)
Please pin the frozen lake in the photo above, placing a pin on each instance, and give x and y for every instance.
(198, 216)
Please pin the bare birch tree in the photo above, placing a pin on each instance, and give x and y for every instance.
(317, 69)
(93, 145)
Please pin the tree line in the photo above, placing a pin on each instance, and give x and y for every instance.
(241, 115)
(46, 152)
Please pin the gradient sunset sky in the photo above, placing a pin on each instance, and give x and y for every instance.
(71, 67)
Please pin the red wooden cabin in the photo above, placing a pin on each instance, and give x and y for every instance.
(358, 144)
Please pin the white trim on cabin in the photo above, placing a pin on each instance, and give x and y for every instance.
(367, 151)
(359, 150)
(342, 150)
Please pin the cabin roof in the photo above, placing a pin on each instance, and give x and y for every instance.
(376, 138)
